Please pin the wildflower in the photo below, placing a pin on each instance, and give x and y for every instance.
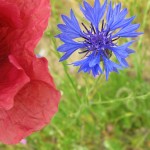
(23, 141)
(98, 40)
(28, 96)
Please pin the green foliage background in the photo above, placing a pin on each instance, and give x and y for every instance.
(95, 114)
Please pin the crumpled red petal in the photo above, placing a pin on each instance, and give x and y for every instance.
(34, 15)
(12, 79)
(34, 105)
(25, 20)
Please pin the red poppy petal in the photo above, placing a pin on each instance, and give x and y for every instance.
(12, 79)
(34, 106)
(9, 15)
(34, 15)
(35, 68)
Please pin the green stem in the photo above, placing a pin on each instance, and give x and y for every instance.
(66, 72)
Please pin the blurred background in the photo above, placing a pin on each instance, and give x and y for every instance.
(95, 114)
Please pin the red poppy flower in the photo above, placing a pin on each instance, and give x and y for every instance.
(28, 97)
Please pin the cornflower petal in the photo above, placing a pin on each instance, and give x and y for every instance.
(94, 14)
(110, 66)
(71, 26)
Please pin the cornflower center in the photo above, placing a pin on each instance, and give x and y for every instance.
(97, 40)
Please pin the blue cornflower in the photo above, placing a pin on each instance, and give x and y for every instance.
(98, 42)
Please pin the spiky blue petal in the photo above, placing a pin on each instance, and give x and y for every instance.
(94, 14)
(71, 27)
(110, 66)
(90, 63)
